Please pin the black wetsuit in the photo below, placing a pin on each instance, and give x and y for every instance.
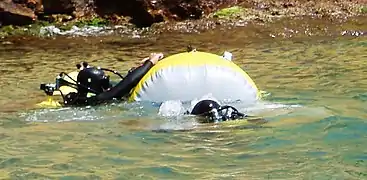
(118, 91)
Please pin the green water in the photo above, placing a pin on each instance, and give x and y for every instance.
(316, 113)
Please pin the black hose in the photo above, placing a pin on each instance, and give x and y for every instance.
(235, 111)
(114, 72)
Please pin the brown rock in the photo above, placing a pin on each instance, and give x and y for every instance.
(35, 5)
(77, 8)
(144, 13)
(31, 4)
(15, 14)
(188, 9)
(136, 9)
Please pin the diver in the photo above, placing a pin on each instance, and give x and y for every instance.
(210, 111)
(93, 80)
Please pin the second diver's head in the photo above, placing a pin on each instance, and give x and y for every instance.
(211, 111)
(92, 80)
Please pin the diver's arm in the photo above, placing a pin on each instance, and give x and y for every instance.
(126, 85)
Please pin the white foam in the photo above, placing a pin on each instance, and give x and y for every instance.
(171, 108)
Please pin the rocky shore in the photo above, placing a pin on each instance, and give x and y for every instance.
(40, 17)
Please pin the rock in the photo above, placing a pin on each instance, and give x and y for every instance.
(214, 5)
(15, 14)
(31, 4)
(144, 13)
(136, 9)
(188, 9)
(77, 8)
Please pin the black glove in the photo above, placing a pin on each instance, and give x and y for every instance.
(71, 98)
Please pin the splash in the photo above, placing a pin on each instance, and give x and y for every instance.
(171, 109)
(61, 115)
(178, 108)
(87, 31)
(167, 116)
(84, 31)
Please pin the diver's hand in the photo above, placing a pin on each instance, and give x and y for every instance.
(154, 58)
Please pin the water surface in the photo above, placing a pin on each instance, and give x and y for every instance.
(316, 113)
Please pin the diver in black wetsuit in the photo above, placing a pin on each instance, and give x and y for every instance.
(210, 111)
(94, 80)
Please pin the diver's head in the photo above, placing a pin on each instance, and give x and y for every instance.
(207, 109)
(204, 106)
(92, 80)
(211, 111)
